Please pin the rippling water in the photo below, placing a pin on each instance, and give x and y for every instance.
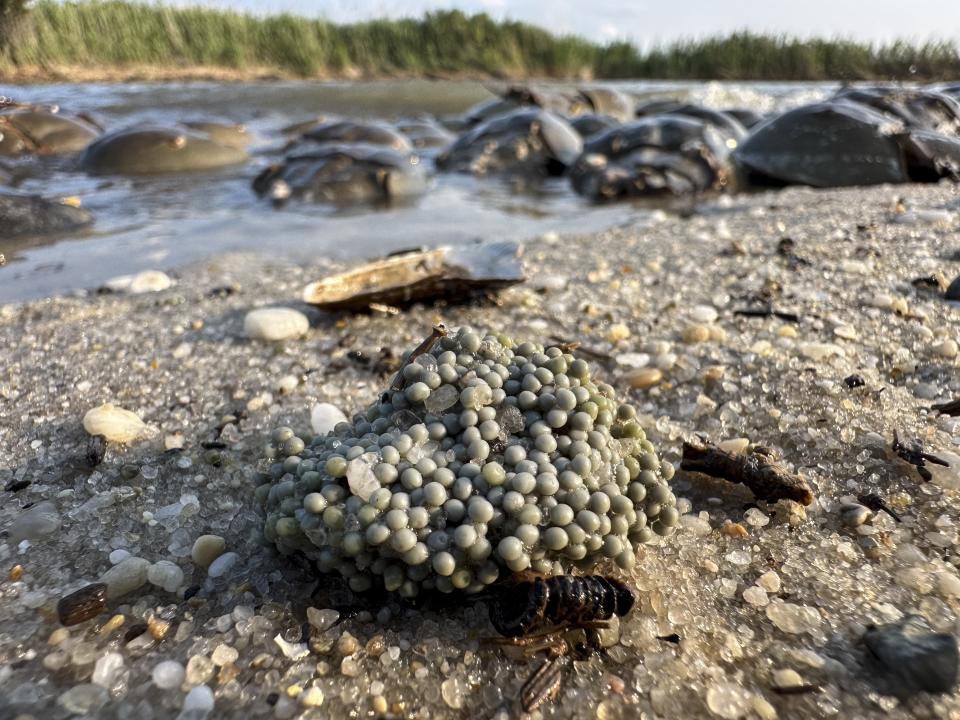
(165, 222)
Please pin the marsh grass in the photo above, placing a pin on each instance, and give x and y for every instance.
(117, 34)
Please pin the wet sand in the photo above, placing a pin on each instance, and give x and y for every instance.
(749, 589)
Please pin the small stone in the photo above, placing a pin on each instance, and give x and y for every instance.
(755, 517)
(114, 423)
(769, 581)
(756, 596)
(696, 334)
(222, 565)
(143, 282)
(947, 348)
(948, 584)
(347, 644)
(206, 549)
(82, 605)
(794, 619)
(786, 679)
(360, 477)
(35, 523)
(199, 670)
(854, 515)
(173, 442)
(703, 314)
(274, 324)
(322, 619)
(287, 384)
(452, 692)
(643, 378)
(912, 658)
(728, 700)
(736, 446)
(324, 418)
(953, 291)
(197, 704)
(168, 674)
(224, 655)
(791, 512)
(125, 577)
(114, 623)
(311, 697)
(108, 669)
(165, 574)
(618, 332)
(734, 530)
(819, 351)
(84, 699)
(349, 667)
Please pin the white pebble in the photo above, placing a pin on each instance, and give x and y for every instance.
(125, 577)
(324, 418)
(168, 674)
(165, 574)
(755, 596)
(34, 523)
(769, 581)
(108, 669)
(274, 324)
(197, 704)
(791, 618)
(118, 556)
(703, 314)
(115, 424)
(294, 651)
(728, 701)
(143, 282)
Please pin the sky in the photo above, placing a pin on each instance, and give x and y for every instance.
(650, 21)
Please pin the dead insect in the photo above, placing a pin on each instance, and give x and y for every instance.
(912, 452)
(558, 615)
(877, 504)
(562, 601)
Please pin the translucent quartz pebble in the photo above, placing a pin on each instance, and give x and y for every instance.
(728, 700)
(107, 670)
(322, 619)
(363, 483)
(441, 399)
(36, 522)
(294, 651)
(273, 324)
(755, 596)
(165, 574)
(793, 618)
(703, 313)
(510, 419)
(820, 351)
(84, 699)
(114, 423)
(197, 704)
(125, 577)
(222, 564)
(168, 674)
(452, 691)
(324, 418)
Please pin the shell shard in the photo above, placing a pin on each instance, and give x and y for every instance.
(421, 275)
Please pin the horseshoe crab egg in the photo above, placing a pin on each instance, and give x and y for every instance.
(485, 456)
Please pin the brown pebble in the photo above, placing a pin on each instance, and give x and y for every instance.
(696, 334)
(158, 628)
(347, 644)
(227, 673)
(16, 572)
(82, 605)
(376, 646)
(134, 631)
(643, 377)
(734, 530)
(112, 624)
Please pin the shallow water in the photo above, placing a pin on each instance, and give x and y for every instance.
(166, 222)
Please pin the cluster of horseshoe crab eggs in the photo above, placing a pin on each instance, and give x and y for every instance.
(485, 457)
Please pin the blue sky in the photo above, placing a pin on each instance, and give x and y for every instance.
(646, 21)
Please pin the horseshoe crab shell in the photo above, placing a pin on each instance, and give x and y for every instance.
(454, 272)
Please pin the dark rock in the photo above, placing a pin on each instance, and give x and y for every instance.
(911, 658)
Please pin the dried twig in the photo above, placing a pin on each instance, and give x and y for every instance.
(768, 312)
(760, 471)
(912, 452)
(438, 332)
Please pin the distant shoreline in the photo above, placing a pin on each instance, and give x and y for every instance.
(117, 41)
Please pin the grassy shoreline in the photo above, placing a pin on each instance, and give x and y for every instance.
(117, 40)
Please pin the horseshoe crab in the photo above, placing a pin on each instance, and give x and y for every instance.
(351, 131)
(518, 97)
(343, 174)
(425, 133)
(419, 275)
(840, 143)
(235, 136)
(918, 108)
(533, 141)
(664, 154)
(28, 130)
(158, 150)
(609, 101)
(727, 124)
(24, 215)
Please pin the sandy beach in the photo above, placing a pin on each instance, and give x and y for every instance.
(750, 610)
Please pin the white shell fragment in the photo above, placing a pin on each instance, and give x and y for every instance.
(277, 323)
(144, 282)
(403, 278)
(114, 423)
(324, 418)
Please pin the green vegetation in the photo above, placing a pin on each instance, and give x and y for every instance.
(118, 34)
